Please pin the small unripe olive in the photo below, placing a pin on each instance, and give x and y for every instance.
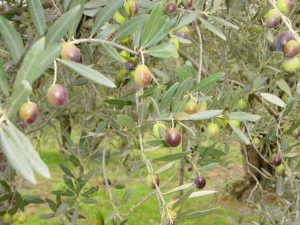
(170, 8)
(125, 55)
(119, 18)
(200, 182)
(142, 75)
(158, 128)
(70, 52)
(272, 18)
(29, 112)
(131, 8)
(280, 170)
(242, 104)
(173, 137)
(291, 64)
(256, 141)
(213, 130)
(7, 218)
(175, 41)
(296, 133)
(235, 123)
(191, 107)
(291, 48)
(22, 218)
(152, 179)
(284, 6)
(57, 95)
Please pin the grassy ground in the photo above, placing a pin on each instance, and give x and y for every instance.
(227, 209)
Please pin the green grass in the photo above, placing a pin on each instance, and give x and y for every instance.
(148, 212)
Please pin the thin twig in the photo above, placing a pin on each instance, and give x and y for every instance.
(94, 40)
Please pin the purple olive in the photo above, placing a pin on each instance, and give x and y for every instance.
(170, 8)
(200, 182)
(276, 160)
(173, 137)
(283, 38)
(57, 95)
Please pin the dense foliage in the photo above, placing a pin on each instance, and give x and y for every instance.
(137, 76)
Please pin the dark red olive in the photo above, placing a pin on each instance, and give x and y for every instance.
(129, 66)
(200, 182)
(188, 4)
(283, 38)
(276, 160)
(57, 95)
(171, 8)
(173, 137)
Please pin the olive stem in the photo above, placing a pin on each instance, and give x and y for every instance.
(94, 40)
(55, 72)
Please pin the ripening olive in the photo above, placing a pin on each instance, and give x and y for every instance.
(170, 8)
(142, 75)
(173, 137)
(57, 95)
(272, 18)
(29, 112)
(191, 107)
(285, 6)
(213, 130)
(70, 52)
(291, 48)
(283, 38)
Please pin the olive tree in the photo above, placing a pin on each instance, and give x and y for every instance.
(151, 75)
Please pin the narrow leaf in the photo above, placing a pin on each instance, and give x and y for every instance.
(15, 158)
(213, 28)
(201, 115)
(186, 19)
(164, 50)
(111, 51)
(12, 39)
(165, 167)
(37, 15)
(273, 99)
(105, 14)
(282, 84)
(240, 134)
(180, 188)
(134, 24)
(207, 82)
(3, 80)
(244, 116)
(172, 157)
(61, 26)
(88, 73)
(202, 193)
